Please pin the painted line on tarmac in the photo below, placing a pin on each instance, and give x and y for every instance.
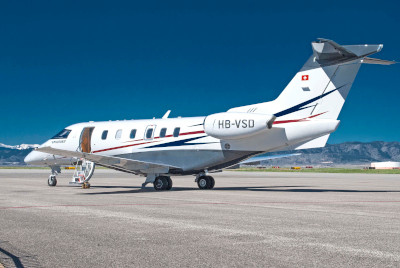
(203, 203)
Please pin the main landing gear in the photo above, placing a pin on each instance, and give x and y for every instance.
(164, 183)
(205, 182)
(161, 183)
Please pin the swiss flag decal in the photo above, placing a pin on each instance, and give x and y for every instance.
(304, 77)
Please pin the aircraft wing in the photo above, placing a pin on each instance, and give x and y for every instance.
(118, 163)
(264, 158)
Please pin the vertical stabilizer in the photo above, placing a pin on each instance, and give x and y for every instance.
(320, 88)
(322, 85)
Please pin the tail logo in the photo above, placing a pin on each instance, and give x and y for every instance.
(304, 77)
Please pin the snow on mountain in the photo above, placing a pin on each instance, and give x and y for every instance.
(19, 147)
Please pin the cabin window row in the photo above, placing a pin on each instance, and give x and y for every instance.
(149, 133)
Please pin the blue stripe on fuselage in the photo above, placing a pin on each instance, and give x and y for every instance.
(179, 143)
(299, 107)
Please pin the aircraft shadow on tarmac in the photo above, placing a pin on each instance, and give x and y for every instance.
(18, 258)
(292, 188)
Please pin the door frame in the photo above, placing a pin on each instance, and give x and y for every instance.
(89, 137)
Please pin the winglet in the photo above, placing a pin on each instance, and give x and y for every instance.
(166, 114)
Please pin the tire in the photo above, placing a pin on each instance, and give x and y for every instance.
(212, 182)
(204, 182)
(169, 187)
(161, 183)
(52, 181)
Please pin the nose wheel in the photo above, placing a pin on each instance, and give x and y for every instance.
(52, 181)
(206, 182)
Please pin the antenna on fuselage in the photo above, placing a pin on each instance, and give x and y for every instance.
(166, 114)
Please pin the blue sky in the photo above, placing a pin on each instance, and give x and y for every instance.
(64, 62)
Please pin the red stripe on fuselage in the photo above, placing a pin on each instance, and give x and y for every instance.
(120, 147)
(297, 120)
(194, 132)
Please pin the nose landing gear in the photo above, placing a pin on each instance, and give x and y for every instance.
(52, 180)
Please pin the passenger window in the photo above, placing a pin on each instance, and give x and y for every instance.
(133, 134)
(176, 131)
(149, 133)
(118, 134)
(104, 135)
(163, 132)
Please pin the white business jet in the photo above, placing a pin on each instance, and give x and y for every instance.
(303, 116)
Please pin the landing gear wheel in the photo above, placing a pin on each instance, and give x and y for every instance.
(52, 181)
(204, 182)
(85, 185)
(212, 182)
(169, 187)
(161, 183)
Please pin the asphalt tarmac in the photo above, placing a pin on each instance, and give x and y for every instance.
(250, 219)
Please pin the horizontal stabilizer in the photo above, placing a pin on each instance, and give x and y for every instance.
(378, 61)
(258, 159)
(315, 143)
(327, 52)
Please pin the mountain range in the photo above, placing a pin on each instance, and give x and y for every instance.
(19, 147)
(342, 154)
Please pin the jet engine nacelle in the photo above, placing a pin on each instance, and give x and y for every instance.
(236, 125)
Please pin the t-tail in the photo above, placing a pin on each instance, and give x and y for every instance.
(320, 88)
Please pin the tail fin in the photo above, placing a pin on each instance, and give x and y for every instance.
(320, 88)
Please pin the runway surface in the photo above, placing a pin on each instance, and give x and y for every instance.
(249, 219)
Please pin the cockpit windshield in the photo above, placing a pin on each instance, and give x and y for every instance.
(63, 134)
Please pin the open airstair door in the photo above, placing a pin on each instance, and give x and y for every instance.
(84, 169)
(85, 143)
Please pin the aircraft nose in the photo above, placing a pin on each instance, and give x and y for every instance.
(33, 158)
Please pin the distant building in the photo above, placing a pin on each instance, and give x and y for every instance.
(385, 165)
